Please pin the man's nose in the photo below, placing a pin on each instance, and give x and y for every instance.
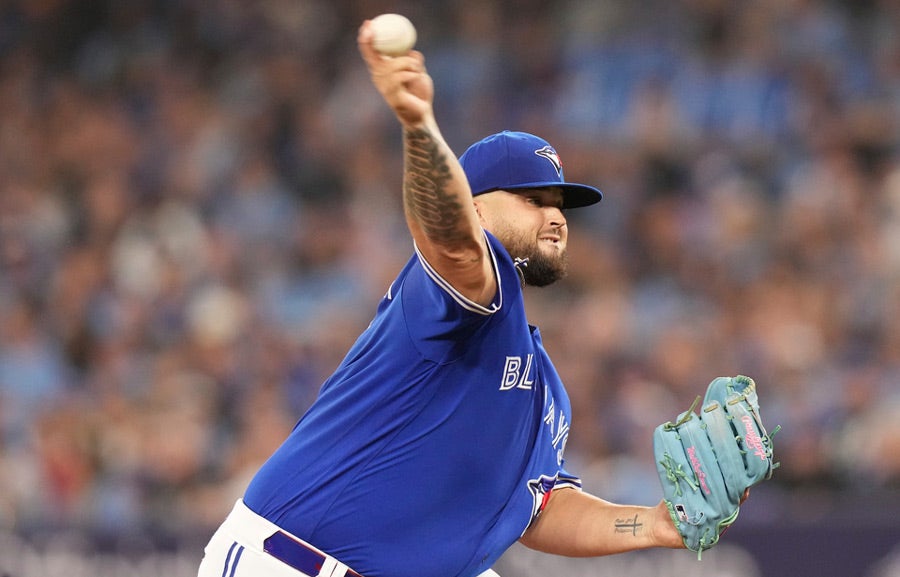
(556, 216)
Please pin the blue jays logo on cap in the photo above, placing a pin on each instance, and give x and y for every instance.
(550, 154)
(514, 160)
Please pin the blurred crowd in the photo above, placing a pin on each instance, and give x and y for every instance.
(200, 208)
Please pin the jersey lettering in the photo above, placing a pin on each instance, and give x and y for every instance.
(515, 376)
(559, 429)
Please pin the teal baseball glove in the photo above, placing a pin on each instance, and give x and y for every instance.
(707, 461)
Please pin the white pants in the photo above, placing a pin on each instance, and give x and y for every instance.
(238, 549)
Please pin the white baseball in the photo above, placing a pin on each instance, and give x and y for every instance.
(394, 34)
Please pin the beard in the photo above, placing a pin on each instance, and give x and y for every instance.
(542, 268)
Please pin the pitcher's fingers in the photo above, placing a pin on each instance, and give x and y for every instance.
(364, 41)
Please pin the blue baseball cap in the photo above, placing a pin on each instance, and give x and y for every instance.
(513, 160)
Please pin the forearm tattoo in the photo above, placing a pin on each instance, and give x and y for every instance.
(629, 525)
(425, 195)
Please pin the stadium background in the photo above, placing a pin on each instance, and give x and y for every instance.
(199, 209)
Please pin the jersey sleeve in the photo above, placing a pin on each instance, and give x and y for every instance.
(438, 317)
(566, 479)
(444, 291)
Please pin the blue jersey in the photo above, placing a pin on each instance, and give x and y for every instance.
(435, 443)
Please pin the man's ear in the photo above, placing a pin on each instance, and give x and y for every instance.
(477, 205)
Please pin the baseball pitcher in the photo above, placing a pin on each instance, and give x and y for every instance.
(440, 439)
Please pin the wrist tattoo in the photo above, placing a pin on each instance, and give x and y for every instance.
(629, 525)
(425, 195)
